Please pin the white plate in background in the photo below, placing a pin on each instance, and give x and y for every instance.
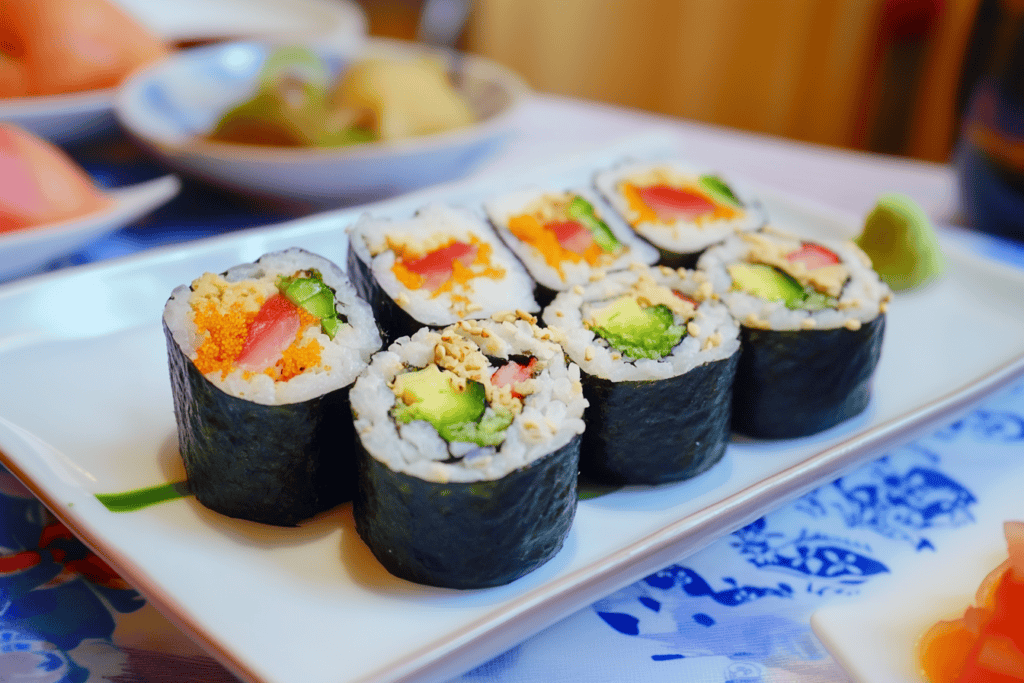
(25, 250)
(311, 604)
(171, 106)
(78, 116)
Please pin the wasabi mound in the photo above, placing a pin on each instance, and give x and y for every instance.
(900, 240)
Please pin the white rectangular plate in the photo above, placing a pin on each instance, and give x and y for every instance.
(86, 409)
(875, 637)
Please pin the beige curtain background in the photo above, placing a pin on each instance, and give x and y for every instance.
(804, 69)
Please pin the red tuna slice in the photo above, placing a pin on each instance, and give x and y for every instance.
(813, 256)
(436, 267)
(571, 235)
(272, 331)
(512, 372)
(671, 203)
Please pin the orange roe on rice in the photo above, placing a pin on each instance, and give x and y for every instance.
(482, 265)
(408, 278)
(225, 335)
(646, 214)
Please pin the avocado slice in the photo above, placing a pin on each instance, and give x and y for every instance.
(901, 243)
(636, 331)
(429, 395)
(771, 284)
(767, 282)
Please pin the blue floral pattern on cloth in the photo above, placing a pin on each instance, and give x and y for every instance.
(827, 543)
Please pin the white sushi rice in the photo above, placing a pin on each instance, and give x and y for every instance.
(502, 209)
(552, 414)
(862, 299)
(680, 236)
(712, 334)
(487, 295)
(342, 358)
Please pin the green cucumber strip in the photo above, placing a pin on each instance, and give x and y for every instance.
(580, 210)
(130, 501)
(313, 296)
(303, 289)
(719, 190)
(330, 326)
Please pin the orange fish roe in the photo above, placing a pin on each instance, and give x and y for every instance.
(528, 229)
(646, 214)
(225, 334)
(408, 278)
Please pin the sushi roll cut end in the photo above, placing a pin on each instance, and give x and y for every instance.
(261, 360)
(813, 316)
(469, 450)
(658, 358)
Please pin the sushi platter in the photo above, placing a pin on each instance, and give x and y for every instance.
(88, 411)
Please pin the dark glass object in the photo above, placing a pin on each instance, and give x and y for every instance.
(990, 154)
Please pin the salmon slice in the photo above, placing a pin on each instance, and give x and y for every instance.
(672, 203)
(272, 331)
(437, 266)
(571, 235)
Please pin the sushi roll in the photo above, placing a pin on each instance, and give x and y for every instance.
(261, 358)
(444, 264)
(678, 208)
(564, 239)
(658, 357)
(469, 447)
(813, 316)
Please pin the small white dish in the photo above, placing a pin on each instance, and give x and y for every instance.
(875, 637)
(78, 116)
(62, 118)
(26, 250)
(170, 106)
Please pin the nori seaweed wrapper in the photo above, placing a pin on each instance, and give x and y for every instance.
(793, 383)
(276, 464)
(673, 259)
(393, 321)
(467, 535)
(657, 431)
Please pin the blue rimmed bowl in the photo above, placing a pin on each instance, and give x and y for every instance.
(171, 106)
